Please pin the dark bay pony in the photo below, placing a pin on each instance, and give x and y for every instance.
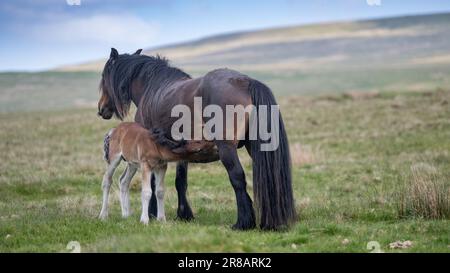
(156, 88)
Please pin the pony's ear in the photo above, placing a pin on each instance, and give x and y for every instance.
(138, 52)
(114, 54)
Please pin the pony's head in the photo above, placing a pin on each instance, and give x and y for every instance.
(113, 100)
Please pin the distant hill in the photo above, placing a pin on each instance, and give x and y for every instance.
(393, 54)
(391, 42)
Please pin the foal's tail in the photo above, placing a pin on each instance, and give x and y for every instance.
(272, 185)
(106, 145)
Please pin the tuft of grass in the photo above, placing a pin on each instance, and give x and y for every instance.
(304, 154)
(424, 194)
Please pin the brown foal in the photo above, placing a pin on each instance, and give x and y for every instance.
(139, 148)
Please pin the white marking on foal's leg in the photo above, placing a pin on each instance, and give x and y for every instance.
(124, 186)
(160, 190)
(106, 186)
(146, 193)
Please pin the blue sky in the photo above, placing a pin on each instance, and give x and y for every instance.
(38, 35)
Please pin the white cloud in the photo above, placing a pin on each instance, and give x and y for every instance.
(102, 30)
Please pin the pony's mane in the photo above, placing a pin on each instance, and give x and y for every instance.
(154, 70)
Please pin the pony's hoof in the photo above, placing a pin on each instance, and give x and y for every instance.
(185, 219)
(161, 219)
(144, 221)
(243, 226)
(185, 215)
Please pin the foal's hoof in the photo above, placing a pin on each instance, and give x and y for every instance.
(103, 217)
(144, 221)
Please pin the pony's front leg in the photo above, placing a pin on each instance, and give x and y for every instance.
(106, 186)
(146, 192)
(160, 190)
(229, 157)
(124, 187)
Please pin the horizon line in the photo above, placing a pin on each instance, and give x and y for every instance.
(230, 33)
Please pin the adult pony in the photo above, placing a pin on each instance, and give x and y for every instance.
(156, 88)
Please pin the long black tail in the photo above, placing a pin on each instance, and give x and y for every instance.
(272, 185)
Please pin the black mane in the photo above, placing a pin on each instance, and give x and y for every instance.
(119, 74)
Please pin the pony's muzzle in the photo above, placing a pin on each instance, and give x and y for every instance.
(105, 113)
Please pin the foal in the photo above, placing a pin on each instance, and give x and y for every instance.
(140, 148)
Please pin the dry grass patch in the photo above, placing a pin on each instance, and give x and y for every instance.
(304, 154)
(361, 95)
(426, 194)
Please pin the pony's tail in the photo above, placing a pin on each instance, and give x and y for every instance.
(272, 185)
(106, 141)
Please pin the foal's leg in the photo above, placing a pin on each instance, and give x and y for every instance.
(229, 157)
(146, 192)
(184, 211)
(124, 186)
(160, 190)
(106, 186)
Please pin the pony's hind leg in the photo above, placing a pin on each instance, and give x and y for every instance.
(160, 190)
(229, 157)
(152, 208)
(184, 211)
(124, 186)
(146, 192)
(106, 186)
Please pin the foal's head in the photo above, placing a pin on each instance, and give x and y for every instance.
(111, 100)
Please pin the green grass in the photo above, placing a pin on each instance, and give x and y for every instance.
(61, 90)
(47, 90)
(346, 183)
(356, 78)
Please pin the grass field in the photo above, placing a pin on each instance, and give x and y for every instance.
(352, 155)
(61, 90)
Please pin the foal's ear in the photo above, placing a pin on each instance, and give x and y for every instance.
(138, 52)
(114, 54)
